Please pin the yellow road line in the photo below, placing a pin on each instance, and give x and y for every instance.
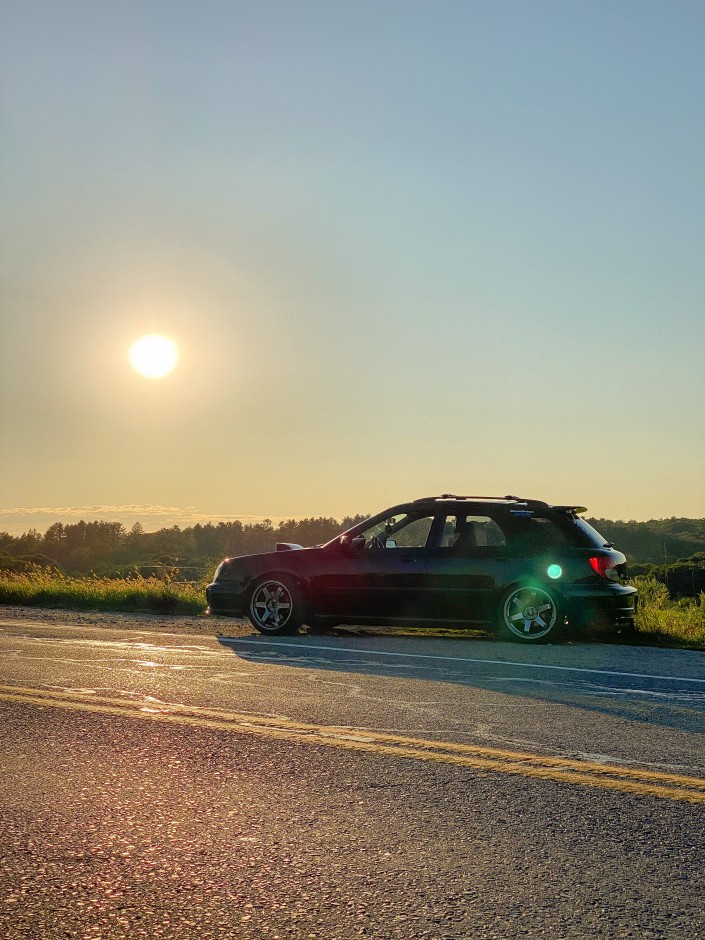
(255, 722)
(611, 777)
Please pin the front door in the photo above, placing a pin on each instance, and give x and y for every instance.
(382, 578)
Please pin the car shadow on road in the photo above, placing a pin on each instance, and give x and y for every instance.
(538, 673)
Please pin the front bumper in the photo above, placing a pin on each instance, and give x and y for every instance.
(227, 598)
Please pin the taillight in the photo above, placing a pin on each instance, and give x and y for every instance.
(604, 566)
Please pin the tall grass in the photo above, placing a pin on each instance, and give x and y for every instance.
(662, 620)
(659, 619)
(42, 587)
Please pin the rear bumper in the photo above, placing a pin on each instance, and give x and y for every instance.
(227, 598)
(615, 604)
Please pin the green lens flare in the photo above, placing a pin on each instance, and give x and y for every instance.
(554, 571)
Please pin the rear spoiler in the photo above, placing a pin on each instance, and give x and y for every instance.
(571, 510)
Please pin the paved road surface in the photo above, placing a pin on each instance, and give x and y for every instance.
(170, 785)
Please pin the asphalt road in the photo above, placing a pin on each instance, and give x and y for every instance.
(156, 784)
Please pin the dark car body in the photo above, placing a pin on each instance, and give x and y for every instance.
(521, 565)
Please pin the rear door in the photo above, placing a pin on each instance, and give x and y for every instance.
(464, 569)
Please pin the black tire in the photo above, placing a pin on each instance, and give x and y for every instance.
(529, 613)
(276, 606)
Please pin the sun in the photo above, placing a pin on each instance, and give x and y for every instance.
(154, 356)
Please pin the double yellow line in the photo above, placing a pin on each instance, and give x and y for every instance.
(604, 776)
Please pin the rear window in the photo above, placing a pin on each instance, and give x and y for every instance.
(589, 535)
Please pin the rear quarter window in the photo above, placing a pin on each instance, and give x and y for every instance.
(536, 534)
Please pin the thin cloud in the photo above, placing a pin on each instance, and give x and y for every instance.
(18, 519)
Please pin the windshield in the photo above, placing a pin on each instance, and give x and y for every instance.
(379, 522)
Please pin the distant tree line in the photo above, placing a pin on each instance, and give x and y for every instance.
(672, 550)
(684, 578)
(656, 542)
(190, 553)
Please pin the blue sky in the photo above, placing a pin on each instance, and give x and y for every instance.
(404, 248)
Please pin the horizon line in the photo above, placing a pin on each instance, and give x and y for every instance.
(21, 519)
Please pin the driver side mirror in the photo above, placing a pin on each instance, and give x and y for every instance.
(352, 544)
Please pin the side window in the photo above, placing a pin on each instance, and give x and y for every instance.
(487, 532)
(400, 531)
(449, 535)
(463, 533)
(413, 535)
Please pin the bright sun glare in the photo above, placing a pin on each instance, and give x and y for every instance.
(154, 356)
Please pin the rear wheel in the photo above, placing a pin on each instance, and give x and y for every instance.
(276, 607)
(528, 614)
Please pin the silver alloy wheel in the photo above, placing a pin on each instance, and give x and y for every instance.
(529, 613)
(271, 606)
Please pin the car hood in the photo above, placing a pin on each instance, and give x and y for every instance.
(281, 555)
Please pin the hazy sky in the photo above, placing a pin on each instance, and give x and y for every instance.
(404, 248)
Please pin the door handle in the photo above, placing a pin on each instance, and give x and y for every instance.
(407, 558)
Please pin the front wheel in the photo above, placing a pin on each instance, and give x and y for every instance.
(276, 607)
(528, 614)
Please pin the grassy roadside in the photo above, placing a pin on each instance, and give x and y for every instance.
(41, 587)
(660, 621)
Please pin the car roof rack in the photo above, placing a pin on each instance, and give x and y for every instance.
(535, 503)
(527, 503)
(430, 499)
